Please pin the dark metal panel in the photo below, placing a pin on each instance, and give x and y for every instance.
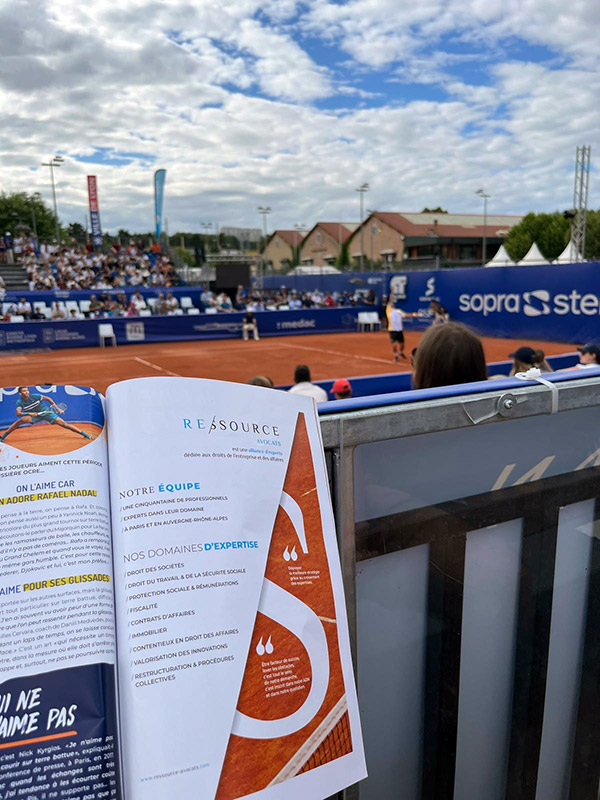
(533, 639)
(446, 583)
(585, 770)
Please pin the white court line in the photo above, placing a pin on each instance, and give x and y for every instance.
(336, 353)
(154, 366)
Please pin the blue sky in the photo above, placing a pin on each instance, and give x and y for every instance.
(293, 105)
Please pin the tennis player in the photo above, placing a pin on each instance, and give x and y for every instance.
(396, 328)
(33, 408)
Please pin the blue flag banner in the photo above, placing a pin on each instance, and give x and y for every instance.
(94, 211)
(160, 177)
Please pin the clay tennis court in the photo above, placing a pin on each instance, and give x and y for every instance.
(45, 439)
(334, 355)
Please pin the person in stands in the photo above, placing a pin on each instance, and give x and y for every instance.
(303, 385)
(261, 380)
(589, 356)
(448, 354)
(341, 389)
(525, 358)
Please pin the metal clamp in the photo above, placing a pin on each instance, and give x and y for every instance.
(506, 405)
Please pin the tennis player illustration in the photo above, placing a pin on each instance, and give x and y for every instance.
(33, 408)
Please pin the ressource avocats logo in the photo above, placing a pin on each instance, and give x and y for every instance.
(535, 303)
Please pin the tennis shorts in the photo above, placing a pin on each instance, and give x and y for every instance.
(397, 336)
(45, 416)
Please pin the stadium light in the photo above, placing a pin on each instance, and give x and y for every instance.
(265, 211)
(299, 230)
(55, 161)
(485, 197)
(361, 190)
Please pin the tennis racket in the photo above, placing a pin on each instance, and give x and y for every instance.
(62, 407)
(331, 740)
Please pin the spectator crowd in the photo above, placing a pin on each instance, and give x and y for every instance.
(70, 266)
(284, 299)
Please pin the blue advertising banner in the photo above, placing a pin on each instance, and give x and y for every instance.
(55, 334)
(557, 303)
(94, 211)
(160, 177)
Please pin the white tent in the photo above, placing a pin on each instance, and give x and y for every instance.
(568, 255)
(501, 259)
(533, 257)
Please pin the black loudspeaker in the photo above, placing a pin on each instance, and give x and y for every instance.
(230, 276)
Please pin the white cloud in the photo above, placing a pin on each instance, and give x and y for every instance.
(173, 82)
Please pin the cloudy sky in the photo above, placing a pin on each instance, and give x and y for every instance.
(293, 105)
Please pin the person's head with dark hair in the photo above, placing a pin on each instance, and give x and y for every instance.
(524, 358)
(449, 354)
(302, 374)
(261, 380)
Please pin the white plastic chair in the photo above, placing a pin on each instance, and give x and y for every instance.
(70, 304)
(368, 319)
(210, 310)
(178, 312)
(145, 312)
(17, 318)
(84, 305)
(106, 331)
(193, 311)
(186, 302)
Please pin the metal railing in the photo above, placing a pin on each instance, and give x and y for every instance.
(471, 565)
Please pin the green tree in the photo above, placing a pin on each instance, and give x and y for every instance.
(592, 236)
(550, 232)
(438, 210)
(185, 255)
(18, 209)
(343, 258)
(77, 232)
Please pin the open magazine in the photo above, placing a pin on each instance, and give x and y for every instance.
(173, 627)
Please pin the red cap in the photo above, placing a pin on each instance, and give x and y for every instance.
(341, 386)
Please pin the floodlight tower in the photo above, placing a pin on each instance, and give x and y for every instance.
(485, 197)
(264, 211)
(362, 189)
(55, 161)
(580, 200)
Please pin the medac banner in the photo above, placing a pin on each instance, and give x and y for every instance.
(160, 176)
(94, 211)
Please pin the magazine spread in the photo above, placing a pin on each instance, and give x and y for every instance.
(174, 623)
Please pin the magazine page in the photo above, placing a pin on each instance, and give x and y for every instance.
(235, 676)
(58, 729)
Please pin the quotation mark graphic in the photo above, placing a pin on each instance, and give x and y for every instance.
(293, 556)
(261, 648)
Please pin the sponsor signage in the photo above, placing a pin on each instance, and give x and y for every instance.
(559, 303)
(84, 333)
(94, 211)
(160, 177)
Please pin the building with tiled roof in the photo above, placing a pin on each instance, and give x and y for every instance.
(323, 243)
(280, 249)
(392, 237)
